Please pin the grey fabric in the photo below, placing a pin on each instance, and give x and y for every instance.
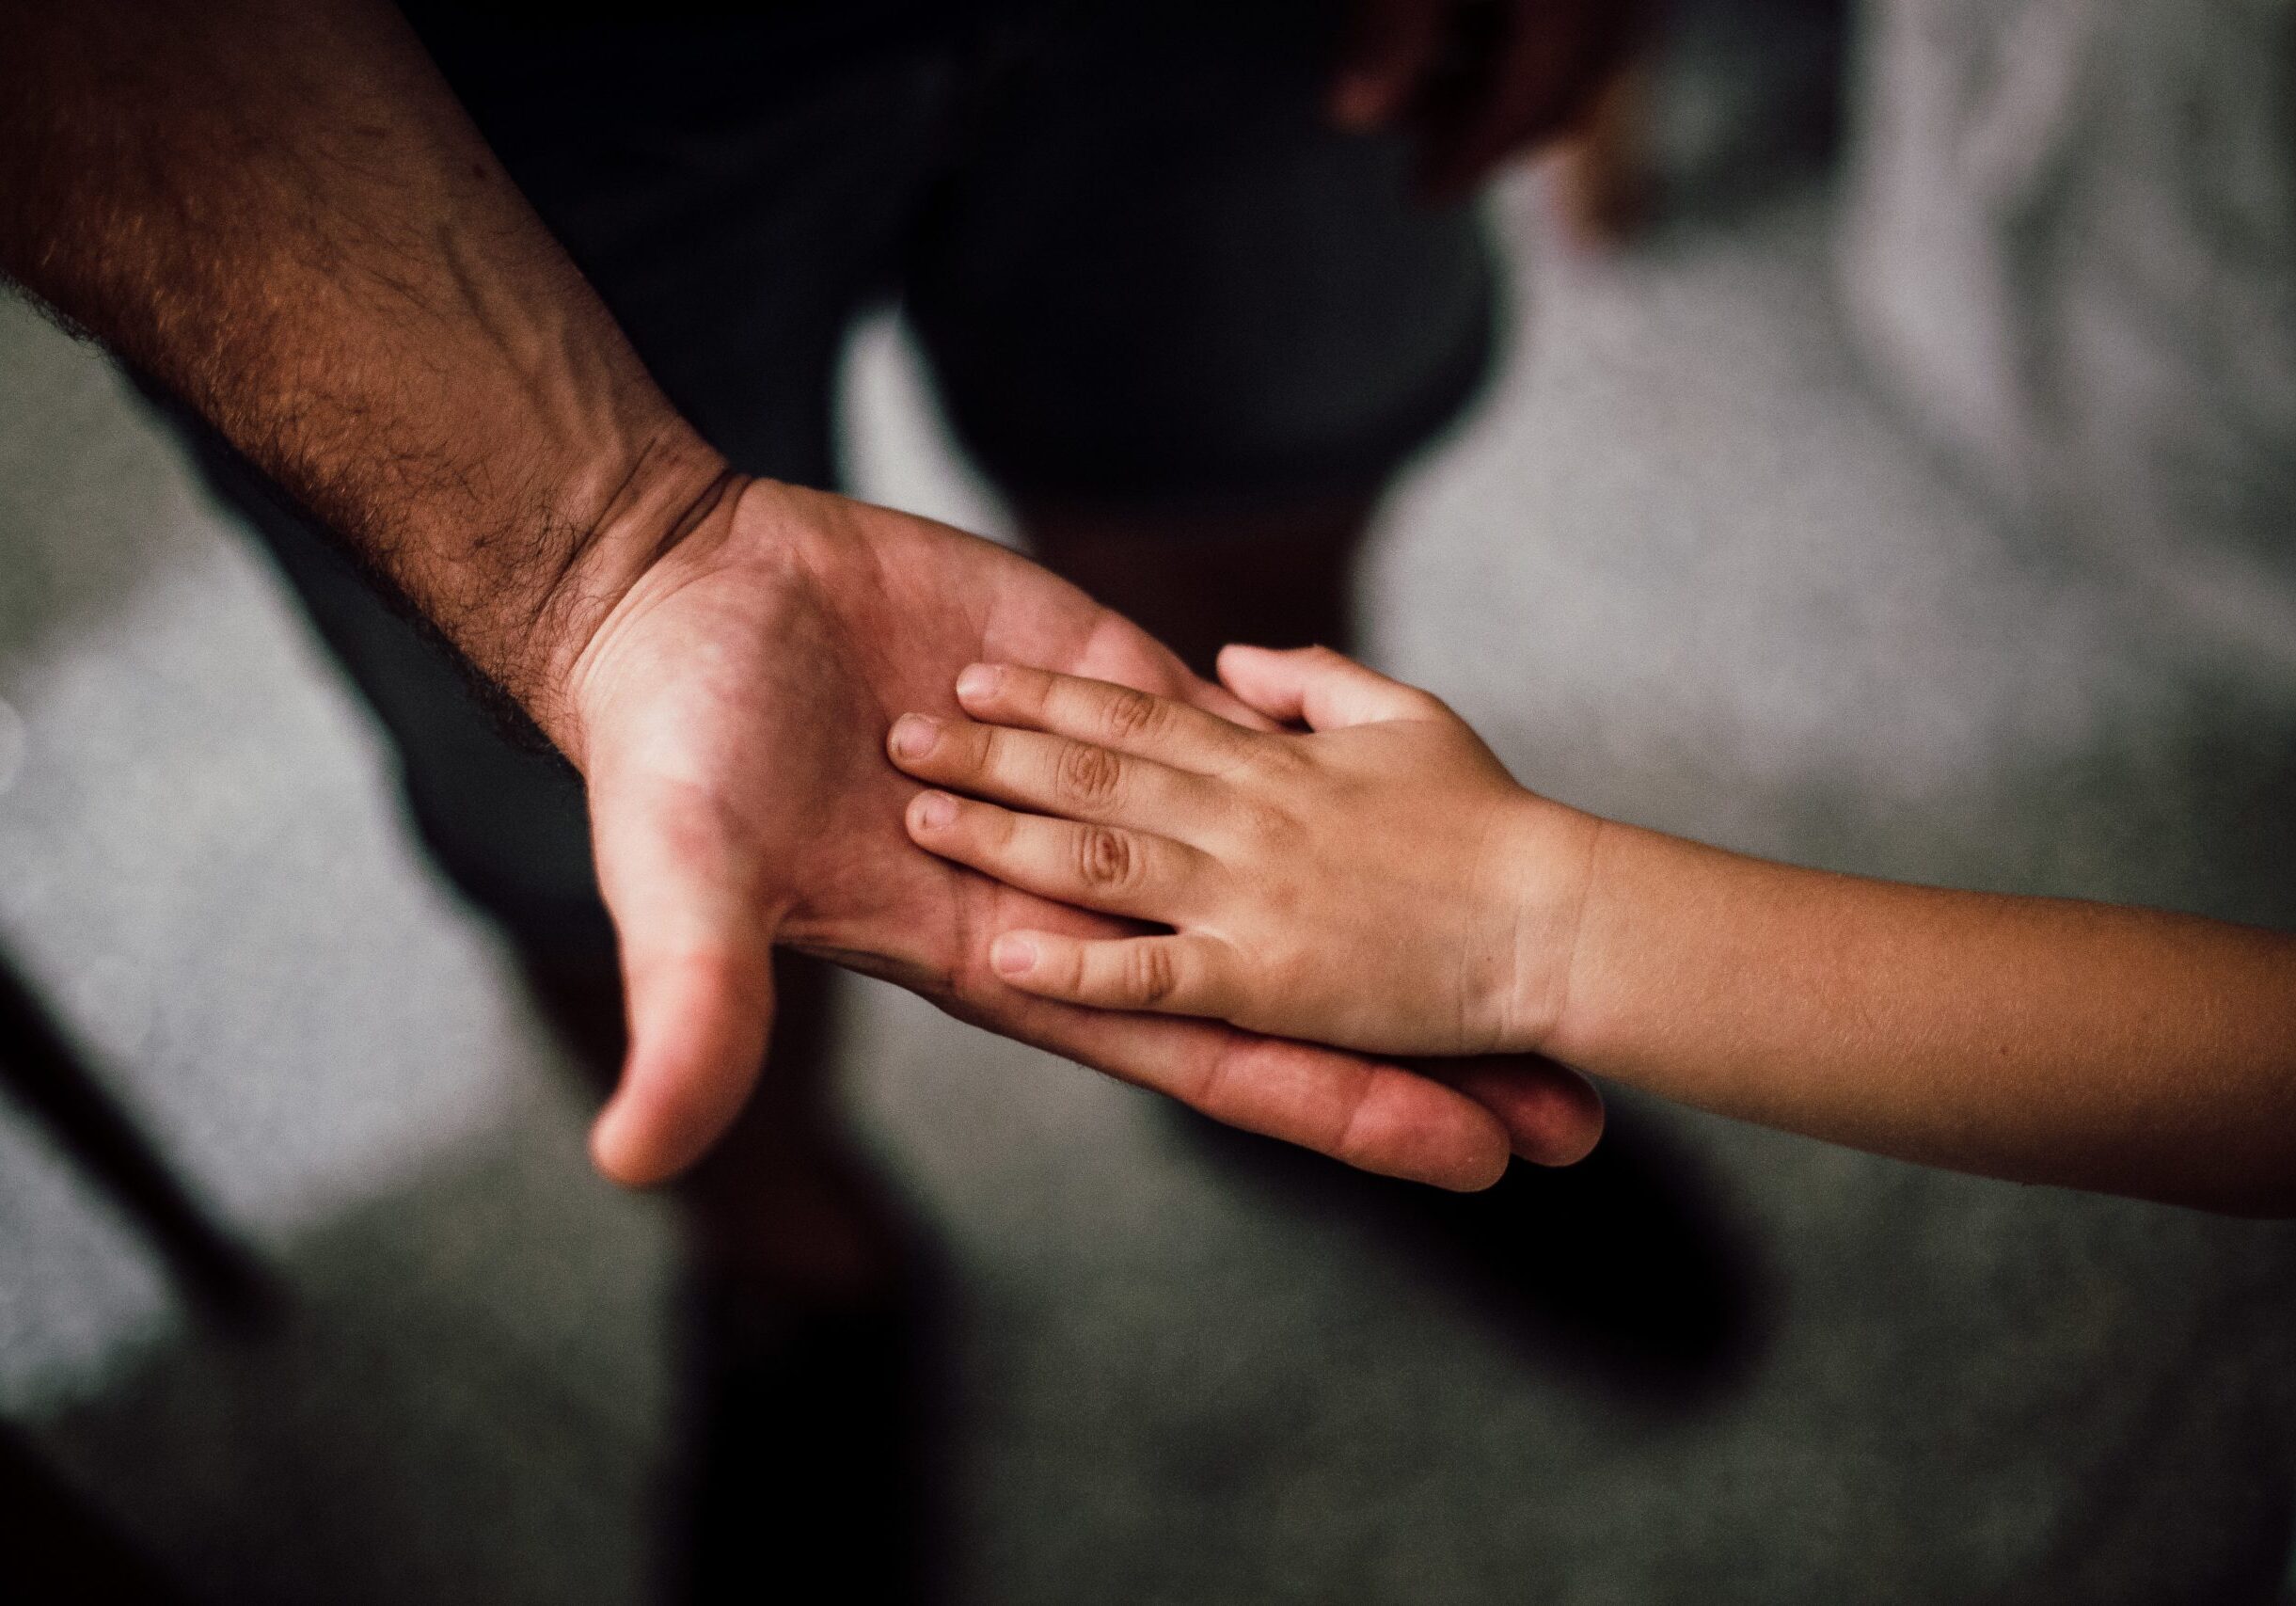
(2070, 252)
(2071, 249)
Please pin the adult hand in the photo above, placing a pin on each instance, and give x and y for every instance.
(1475, 80)
(730, 715)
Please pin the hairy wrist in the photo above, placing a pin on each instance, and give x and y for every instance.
(629, 517)
(624, 514)
(280, 214)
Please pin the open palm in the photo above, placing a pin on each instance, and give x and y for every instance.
(734, 708)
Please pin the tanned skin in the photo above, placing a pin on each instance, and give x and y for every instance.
(276, 209)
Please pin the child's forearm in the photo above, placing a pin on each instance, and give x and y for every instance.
(2032, 1038)
(1380, 882)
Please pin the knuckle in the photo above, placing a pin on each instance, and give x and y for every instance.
(990, 826)
(1278, 756)
(984, 750)
(1128, 714)
(1280, 971)
(1028, 692)
(1106, 858)
(1150, 975)
(1020, 687)
(1349, 1142)
(1269, 828)
(1089, 776)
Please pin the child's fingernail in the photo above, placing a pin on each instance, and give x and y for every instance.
(978, 680)
(914, 736)
(935, 810)
(1013, 956)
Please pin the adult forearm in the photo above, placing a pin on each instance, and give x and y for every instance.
(280, 212)
(2034, 1038)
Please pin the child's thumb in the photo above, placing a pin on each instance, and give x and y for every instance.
(1319, 688)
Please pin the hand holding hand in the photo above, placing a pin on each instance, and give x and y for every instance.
(1381, 883)
(729, 715)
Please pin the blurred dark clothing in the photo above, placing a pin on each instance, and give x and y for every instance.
(1144, 270)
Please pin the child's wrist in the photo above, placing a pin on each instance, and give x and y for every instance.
(1536, 895)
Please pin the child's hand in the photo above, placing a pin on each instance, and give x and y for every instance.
(1381, 885)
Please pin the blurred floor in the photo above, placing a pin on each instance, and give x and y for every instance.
(1683, 568)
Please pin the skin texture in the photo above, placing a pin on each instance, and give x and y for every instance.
(734, 707)
(1255, 848)
(1378, 879)
(280, 213)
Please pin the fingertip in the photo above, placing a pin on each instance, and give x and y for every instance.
(638, 1146)
(1244, 671)
(698, 1027)
(612, 1153)
(623, 1148)
(930, 814)
(644, 1141)
(1480, 1152)
(1014, 954)
(1552, 1116)
(1578, 1126)
(977, 682)
(1560, 1123)
(1571, 1148)
(1250, 657)
(1414, 1127)
(1471, 1156)
(1481, 1168)
(911, 737)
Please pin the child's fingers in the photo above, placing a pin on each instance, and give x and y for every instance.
(1093, 867)
(1113, 717)
(1048, 773)
(1171, 975)
(1319, 688)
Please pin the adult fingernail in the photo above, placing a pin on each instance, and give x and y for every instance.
(914, 736)
(1013, 956)
(978, 680)
(935, 810)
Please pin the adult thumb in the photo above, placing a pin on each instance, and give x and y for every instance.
(697, 975)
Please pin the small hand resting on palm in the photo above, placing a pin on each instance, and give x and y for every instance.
(1381, 885)
(1376, 880)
